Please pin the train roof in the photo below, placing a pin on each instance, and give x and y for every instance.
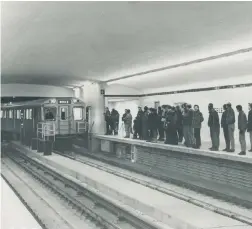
(33, 103)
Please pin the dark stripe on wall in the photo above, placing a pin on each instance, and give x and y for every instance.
(185, 91)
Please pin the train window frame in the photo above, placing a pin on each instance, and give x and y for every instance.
(18, 114)
(67, 113)
(82, 113)
(10, 116)
(28, 114)
(54, 114)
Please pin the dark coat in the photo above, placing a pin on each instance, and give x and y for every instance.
(213, 120)
(145, 119)
(250, 121)
(153, 121)
(139, 115)
(171, 120)
(197, 119)
(230, 119)
(114, 116)
(188, 117)
(242, 121)
(107, 116)
(179, 118)
(224, 119)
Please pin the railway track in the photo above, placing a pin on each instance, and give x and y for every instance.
(103, 211)
(239, 213)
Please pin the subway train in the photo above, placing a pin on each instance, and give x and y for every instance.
(60, 119)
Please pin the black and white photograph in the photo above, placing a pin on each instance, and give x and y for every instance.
(126, 114)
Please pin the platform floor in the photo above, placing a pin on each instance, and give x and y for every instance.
(207, 144)
(168, 206)
(14, 215)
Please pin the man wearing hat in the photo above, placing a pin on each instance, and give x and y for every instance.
(214, 125)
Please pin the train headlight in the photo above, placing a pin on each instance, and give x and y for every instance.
(75, 100)
(53, 100)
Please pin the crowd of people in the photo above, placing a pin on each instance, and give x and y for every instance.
(173, 124)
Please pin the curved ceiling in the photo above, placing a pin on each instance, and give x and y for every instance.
(66, 43)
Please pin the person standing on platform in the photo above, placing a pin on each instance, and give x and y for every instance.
(231, 126)
(153, 122)
(127, 119)
(171, 127)
(197, 120)
(107, 116)
(160, 125)
(138, 123)
(225, 127)
(114, 121)
(187, 125)
(145, 130)
(214, 125)
(250, 125)
(179, 123)
(242, 126)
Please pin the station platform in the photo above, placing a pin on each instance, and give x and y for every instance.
(14, 214)
(167, 209)
(226, 175)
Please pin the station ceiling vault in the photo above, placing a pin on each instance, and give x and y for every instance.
(66, 43)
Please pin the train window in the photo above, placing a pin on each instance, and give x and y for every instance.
(50, 113)
(18, 114)
(5, 114)
(78, 113)
(28, 114)
(10, 113)
(2, 113)
(63, 113)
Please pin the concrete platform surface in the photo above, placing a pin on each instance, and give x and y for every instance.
(174, 212)
(13, 213)
(204, 151)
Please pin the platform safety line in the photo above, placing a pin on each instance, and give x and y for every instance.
(199, 203)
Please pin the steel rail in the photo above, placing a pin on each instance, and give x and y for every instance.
(177, 195)
(98, 203)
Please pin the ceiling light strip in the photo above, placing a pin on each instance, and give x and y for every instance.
(186, 90)
(240, 51)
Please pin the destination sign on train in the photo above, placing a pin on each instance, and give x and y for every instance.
(64, 101)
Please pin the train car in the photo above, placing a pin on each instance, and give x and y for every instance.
(25, 120)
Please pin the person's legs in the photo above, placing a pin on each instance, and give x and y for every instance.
(212, 137)
(226, 136)
(197, 137)
(127, 130)
(185, 131)
(242, 141)
(231, 136)
(250, 135)
(107, 128)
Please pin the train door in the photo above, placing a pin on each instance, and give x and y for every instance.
(64, 120)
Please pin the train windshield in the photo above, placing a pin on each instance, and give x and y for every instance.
(78, 113)
(50, 113)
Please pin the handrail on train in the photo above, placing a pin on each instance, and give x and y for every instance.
(81, 126)
(45, 130)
